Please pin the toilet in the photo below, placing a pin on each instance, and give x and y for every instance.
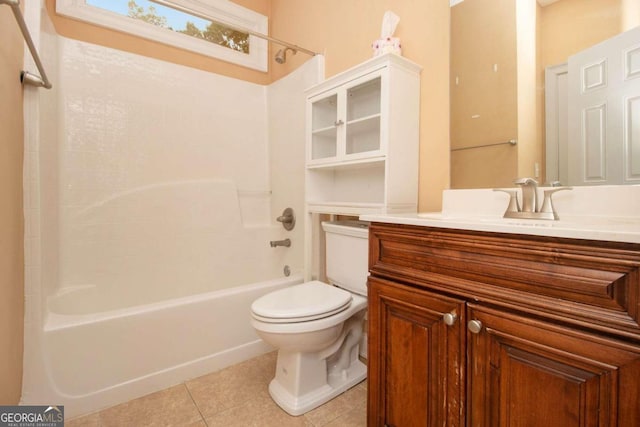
(318, 327)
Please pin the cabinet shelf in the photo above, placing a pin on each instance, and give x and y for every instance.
(326, 131)
(342, 208)
(370, 118)
(347, 164)
(363, 136)
(364, 99)
(363, 123)
(355, 184)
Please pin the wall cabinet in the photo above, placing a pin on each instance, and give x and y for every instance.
(362, 139)
(484, 329)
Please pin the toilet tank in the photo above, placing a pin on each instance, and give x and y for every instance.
(347, 254)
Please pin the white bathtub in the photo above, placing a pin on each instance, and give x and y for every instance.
(101, 359)
(148, 216)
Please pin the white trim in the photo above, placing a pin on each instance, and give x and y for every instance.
(555, 143)
(219, 10)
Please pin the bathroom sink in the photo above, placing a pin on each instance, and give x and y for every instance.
(609, 213)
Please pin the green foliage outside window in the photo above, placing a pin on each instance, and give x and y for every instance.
(214, 32)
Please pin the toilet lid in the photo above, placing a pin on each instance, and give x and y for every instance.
(307, 301)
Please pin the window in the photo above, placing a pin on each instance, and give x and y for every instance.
(198, 26)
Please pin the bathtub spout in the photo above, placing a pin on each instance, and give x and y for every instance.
(276, 243)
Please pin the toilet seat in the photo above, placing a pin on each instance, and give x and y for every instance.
(301, 303)
(358, 303)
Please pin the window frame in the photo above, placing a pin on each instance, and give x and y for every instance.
(216, 10)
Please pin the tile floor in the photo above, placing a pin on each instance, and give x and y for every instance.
(235, 396)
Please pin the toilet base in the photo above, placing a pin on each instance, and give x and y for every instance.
(335, 385)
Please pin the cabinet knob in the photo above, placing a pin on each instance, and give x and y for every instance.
(475, 326)
(449, 318)
(338, 122)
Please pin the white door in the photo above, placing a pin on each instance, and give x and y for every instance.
(604, 112)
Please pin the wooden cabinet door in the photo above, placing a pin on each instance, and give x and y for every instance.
(416, 357)
(526, 372)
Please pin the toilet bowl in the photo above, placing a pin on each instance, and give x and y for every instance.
(317, 327)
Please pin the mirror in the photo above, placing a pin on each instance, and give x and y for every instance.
(500, 50)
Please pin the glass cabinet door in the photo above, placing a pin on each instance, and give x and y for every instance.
(363, 117)
(345, 123)
(324, 128)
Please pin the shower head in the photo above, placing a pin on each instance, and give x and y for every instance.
(281, 55)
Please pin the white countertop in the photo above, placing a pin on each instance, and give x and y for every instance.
(615, 229)
(606, 213)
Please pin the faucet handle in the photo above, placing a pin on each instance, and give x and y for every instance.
(525, 181)
(547, 203)
(514, 206)
(288, 219)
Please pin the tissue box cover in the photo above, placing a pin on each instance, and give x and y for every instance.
(390, 44)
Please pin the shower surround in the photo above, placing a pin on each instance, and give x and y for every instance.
(150, 201)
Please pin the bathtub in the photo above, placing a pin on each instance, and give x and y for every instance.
(148, 216)
(101, 359)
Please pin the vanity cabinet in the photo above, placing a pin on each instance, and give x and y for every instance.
(362, 139)
(470, 328)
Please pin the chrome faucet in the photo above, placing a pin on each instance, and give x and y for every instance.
(275, 243)
(529, 209)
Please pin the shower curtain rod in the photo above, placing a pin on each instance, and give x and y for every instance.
(236, 27)
(25, 76)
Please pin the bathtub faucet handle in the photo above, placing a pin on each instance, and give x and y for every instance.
(288, 219)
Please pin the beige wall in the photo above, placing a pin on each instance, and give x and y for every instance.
(11, 223)
(569, 26)
(343, 32)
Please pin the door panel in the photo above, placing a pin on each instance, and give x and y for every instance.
(525, 372)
